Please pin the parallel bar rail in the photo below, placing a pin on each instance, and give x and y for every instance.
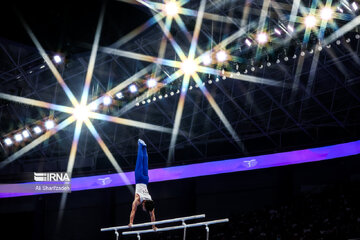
(177, 227)
(154, 223)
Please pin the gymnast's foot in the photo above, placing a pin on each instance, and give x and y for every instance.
(141, 142)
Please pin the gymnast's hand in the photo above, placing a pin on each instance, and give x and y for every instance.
(154, 228)
(130, 225)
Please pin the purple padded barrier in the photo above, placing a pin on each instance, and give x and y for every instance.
(208, 168)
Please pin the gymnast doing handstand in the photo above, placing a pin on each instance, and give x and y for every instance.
(142, 196)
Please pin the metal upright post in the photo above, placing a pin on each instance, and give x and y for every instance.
(207, 231)
(138, 236)
(117, 235)
(184, 224)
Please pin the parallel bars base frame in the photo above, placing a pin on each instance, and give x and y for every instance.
(183, 226)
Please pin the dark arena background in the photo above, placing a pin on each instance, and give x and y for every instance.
(249, 110)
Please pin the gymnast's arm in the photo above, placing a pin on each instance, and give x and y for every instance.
(152, 216)
(135, 204)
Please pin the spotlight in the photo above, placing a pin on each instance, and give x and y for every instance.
(268, 64)
(252, 69)
(49, 124)
(133, 88)
(311, 51)
(37, 130)
(338, 42)
(107, 100)
(171, 8)
(357, 36)
(210, 81)
(189, 66)
(340, 9)
(246, 71)
(177, 91)
(302, 54)
(277, 31)
(160, 97)
(248, 42)
(262, 38)
(206, 59)
(347, 40)
(326, 13)
(221, 56)
(149, 101)
(143, 102)
(320, 48)
(217, 79)
(119, 95)
(310, 21)
(57, 59)
(165, 96)
(278, 61)
(172, 93)
(8, 141)
(286, 59)
(354, 6)
(151, 82)
(137, 104)
(81, 113)
(294, 57)
(18, 137)
(42, 66)
(25, 134)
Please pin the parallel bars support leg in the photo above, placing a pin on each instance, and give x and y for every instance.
(184, 224)
(207, 232)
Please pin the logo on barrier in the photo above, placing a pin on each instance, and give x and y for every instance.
(104, 181)
(250, 163)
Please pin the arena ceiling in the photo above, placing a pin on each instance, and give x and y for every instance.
(258, 77)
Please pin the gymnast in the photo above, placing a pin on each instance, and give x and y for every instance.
(142, 196)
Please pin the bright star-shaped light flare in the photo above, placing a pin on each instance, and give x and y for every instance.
(189, 66)
(171, 8)
(221, 56)
(262, 38)
(81, 113)
(310, 21)
(326, 13)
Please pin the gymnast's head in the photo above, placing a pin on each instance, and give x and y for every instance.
(148, 205)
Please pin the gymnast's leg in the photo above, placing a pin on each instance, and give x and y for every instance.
(141, 169)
